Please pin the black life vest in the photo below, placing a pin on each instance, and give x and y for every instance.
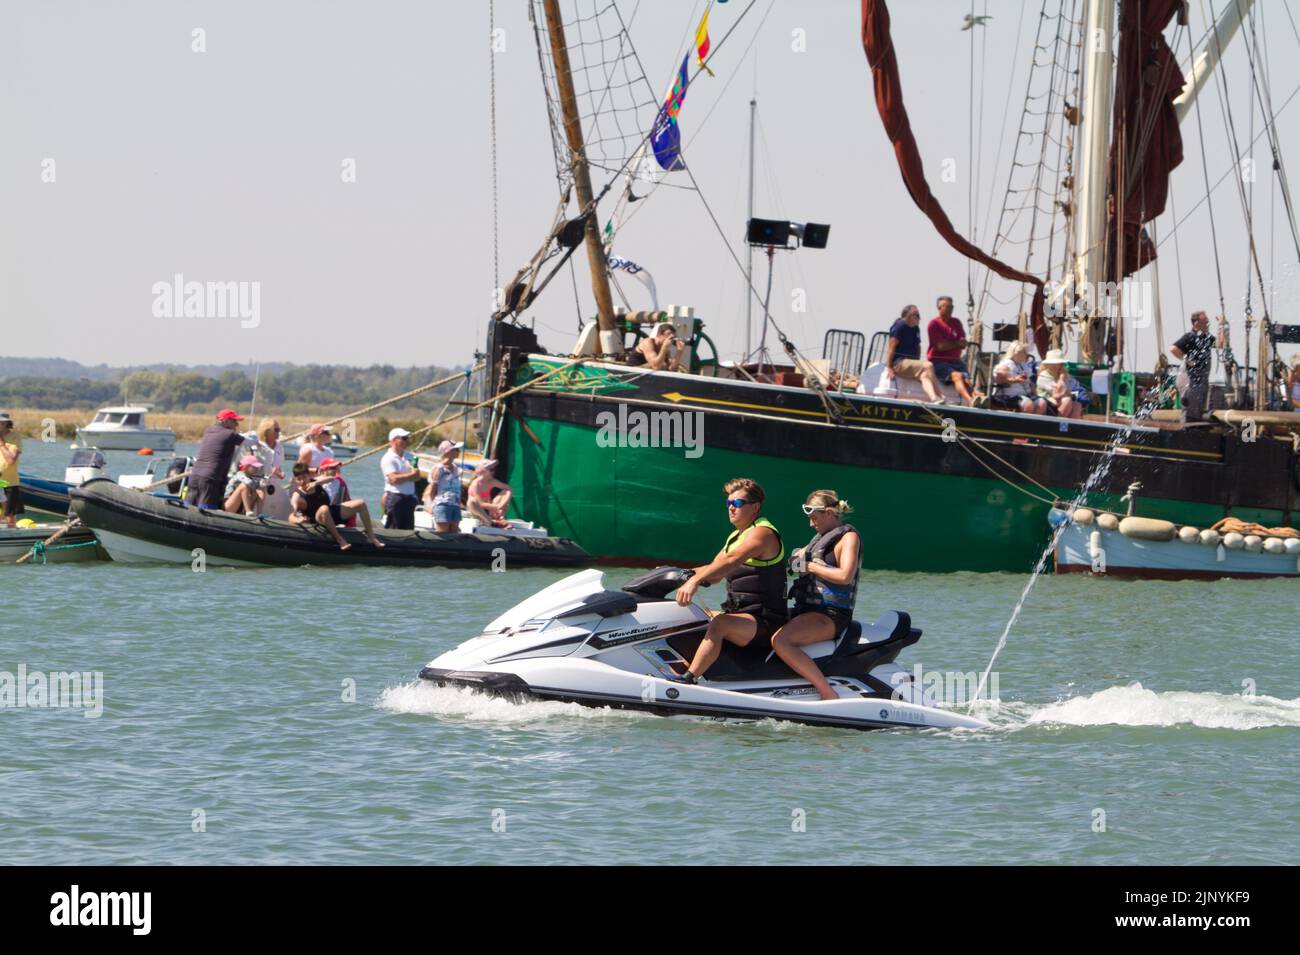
(757, 586)
(312, 501)
(813, 593)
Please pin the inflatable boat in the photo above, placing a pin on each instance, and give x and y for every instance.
(140, 528)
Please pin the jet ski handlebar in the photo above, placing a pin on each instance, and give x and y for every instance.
(657, 584)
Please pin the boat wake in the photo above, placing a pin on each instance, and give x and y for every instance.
(422, 698)
(1135, 705)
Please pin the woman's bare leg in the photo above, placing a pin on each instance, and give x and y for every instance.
(802, 631)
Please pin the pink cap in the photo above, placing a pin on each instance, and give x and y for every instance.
(327, 463)
(250, 461)
(318, 429)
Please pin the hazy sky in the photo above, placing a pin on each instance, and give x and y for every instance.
(226, 166)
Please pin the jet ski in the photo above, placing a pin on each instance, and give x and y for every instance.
(578, 642)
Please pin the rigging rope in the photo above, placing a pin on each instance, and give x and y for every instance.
(492, 107)
(1205, 170)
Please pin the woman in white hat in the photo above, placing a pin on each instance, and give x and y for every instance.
(1054, 386)
(443, 493)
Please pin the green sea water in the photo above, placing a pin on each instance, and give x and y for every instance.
(275, 716)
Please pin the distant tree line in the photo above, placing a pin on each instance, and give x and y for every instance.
(189, 391)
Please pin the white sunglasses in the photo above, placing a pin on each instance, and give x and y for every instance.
(811, 509)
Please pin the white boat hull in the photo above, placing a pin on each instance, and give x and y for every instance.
(594, 683)
(126, 439)
(133, 550)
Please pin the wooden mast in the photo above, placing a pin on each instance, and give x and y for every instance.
(610, 340)
(1090, 208)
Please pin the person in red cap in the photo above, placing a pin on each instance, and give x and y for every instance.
(312, 503)
(216, 449)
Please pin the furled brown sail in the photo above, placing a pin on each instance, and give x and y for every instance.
(879, 47)
(1146, 145)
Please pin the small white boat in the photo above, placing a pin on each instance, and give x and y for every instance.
(1107, 545)
(123, 429)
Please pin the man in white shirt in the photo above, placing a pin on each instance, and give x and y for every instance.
(399, 499)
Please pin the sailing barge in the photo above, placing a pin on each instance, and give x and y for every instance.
(936, 489)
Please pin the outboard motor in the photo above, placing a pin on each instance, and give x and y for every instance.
(86, 465)
(657, 584)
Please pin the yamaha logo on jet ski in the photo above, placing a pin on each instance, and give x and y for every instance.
(651, 633)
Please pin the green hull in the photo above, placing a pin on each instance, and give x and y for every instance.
(654, 505)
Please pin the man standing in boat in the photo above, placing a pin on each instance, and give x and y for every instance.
(947, 350)
(10, 449)
(1196, 351)
(399, 500)
(216, 450)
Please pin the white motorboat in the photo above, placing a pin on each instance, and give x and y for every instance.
(123, 429)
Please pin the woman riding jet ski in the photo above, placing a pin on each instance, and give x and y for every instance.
(576, 641)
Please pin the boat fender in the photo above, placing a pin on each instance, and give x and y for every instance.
(1292, 545)
(1210, 537)
(1189, 535)
(1254, 543)
(1275, 545)
(1147, 529)
(1094, 544)
(1108, 522)
(1083, 515)
(1233, 541)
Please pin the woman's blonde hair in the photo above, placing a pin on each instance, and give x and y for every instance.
(1014, 347)
(829, 500)
(266, 430)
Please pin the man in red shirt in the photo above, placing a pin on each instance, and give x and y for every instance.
(947, 344)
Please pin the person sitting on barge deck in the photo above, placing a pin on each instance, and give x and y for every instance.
(661, 351)
(1054, 386)
(903, 354)
(945, 354)
(1011, 388)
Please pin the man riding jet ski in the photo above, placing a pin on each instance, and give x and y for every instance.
(634, 648)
